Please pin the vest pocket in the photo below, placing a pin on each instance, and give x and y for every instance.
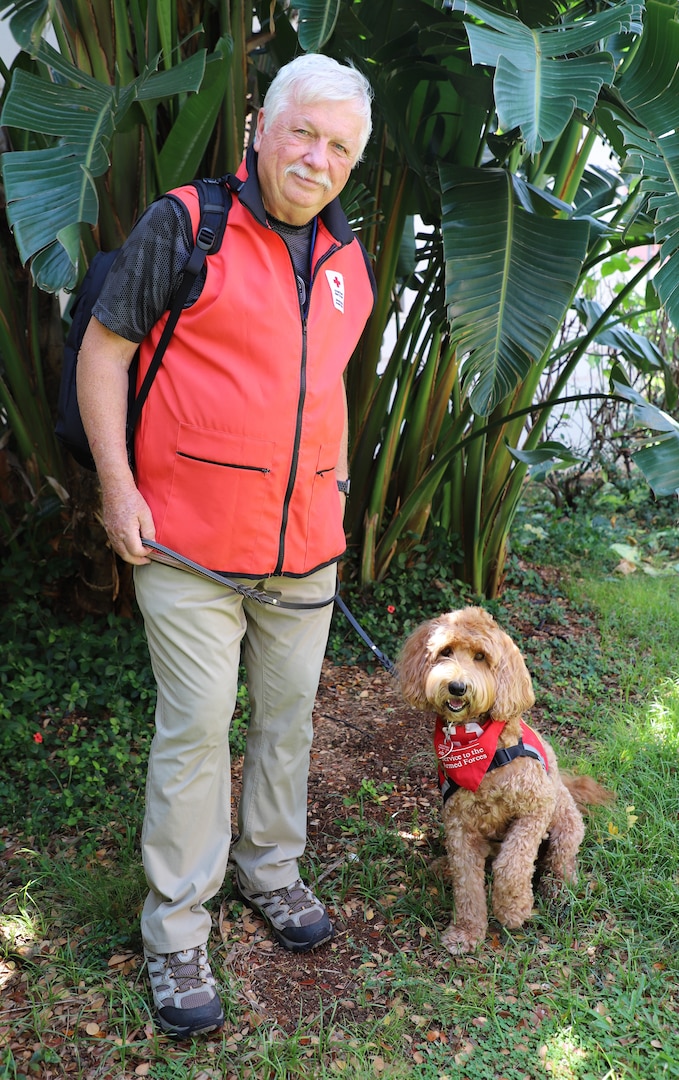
(220, 490)
(325, 532)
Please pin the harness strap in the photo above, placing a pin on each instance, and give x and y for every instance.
(502, 756)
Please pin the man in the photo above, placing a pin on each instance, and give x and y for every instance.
(241, 465)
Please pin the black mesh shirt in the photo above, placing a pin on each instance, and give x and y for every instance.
(144, 277)
(146, 273)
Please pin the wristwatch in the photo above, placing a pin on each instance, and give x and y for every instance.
(344, 485)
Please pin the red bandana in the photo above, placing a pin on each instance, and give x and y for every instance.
(465, 751)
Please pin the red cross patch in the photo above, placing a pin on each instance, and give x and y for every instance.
(336, 282)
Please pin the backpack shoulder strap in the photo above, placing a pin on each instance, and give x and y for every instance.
(215, 202)
(214, 197)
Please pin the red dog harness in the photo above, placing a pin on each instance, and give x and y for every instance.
(466, 752)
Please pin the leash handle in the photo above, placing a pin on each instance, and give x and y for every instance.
(172, 558)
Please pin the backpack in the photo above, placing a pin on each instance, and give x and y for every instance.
(215, 200)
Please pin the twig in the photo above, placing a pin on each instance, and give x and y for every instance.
(347, 723)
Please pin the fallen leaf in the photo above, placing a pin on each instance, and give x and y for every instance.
(625, 567)
(251, 926)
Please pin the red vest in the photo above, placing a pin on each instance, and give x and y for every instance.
(239, 438)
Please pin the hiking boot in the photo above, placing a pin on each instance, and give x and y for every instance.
(184, 991)
(299, 921)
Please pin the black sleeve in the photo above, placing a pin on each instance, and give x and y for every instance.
(144, 277)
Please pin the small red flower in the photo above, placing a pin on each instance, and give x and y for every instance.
(37, 737)
(391, 609)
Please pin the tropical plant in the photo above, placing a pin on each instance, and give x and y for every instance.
(132, 100)
(452, 422)
(476, 199)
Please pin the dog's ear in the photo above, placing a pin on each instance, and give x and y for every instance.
(412, 665)
(514, 689)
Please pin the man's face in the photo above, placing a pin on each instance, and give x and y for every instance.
(305, 157)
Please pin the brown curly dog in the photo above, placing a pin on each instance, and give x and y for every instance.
(503, 793)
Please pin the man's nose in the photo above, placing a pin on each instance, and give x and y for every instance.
(317, 155)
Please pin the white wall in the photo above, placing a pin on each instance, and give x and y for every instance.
(8, 46)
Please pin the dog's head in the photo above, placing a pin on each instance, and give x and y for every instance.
(462, 666)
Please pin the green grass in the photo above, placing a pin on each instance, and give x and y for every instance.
(588, 990)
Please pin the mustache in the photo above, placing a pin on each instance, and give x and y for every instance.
(320, 178)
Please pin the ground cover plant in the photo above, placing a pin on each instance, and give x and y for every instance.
(588, 990)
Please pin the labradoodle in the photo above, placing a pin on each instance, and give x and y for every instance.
(504, 797)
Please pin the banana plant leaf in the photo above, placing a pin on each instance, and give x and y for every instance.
(546, 457)
(28, 20)
(185, 145)
(649, 88)
(634, 347)
(541, 75)
(317, 21)
(510, 277)
(51, 191)
(658, 459)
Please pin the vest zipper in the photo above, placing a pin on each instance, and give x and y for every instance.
(300, 408)
(223, 464)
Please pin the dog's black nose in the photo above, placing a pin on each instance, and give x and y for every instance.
(457, 689)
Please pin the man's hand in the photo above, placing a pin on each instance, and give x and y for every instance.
(103, 384)
(126, 517)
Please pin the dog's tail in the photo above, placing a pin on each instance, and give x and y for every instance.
(586, 791)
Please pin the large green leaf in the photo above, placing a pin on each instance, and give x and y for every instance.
(659, 458)
(548, 456)
(650, 90)
(317, 20)
(510, 277)
(185, 145)
(28, 19)
(634, 347)
(50, 190)
(541, 75)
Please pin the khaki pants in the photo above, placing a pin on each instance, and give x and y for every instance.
(194, 630)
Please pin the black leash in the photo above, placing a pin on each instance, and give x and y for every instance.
(172, 558)
(377, 653)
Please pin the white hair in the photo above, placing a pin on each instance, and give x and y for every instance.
(315, 77)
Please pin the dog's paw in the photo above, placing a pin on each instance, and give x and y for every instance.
(458, 940)
(515, 918)
(440, 867)
(513, 910)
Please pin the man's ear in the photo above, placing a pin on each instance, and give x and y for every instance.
(259, 128)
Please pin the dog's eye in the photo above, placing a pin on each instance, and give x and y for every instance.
(480, 657)
(446, 651)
